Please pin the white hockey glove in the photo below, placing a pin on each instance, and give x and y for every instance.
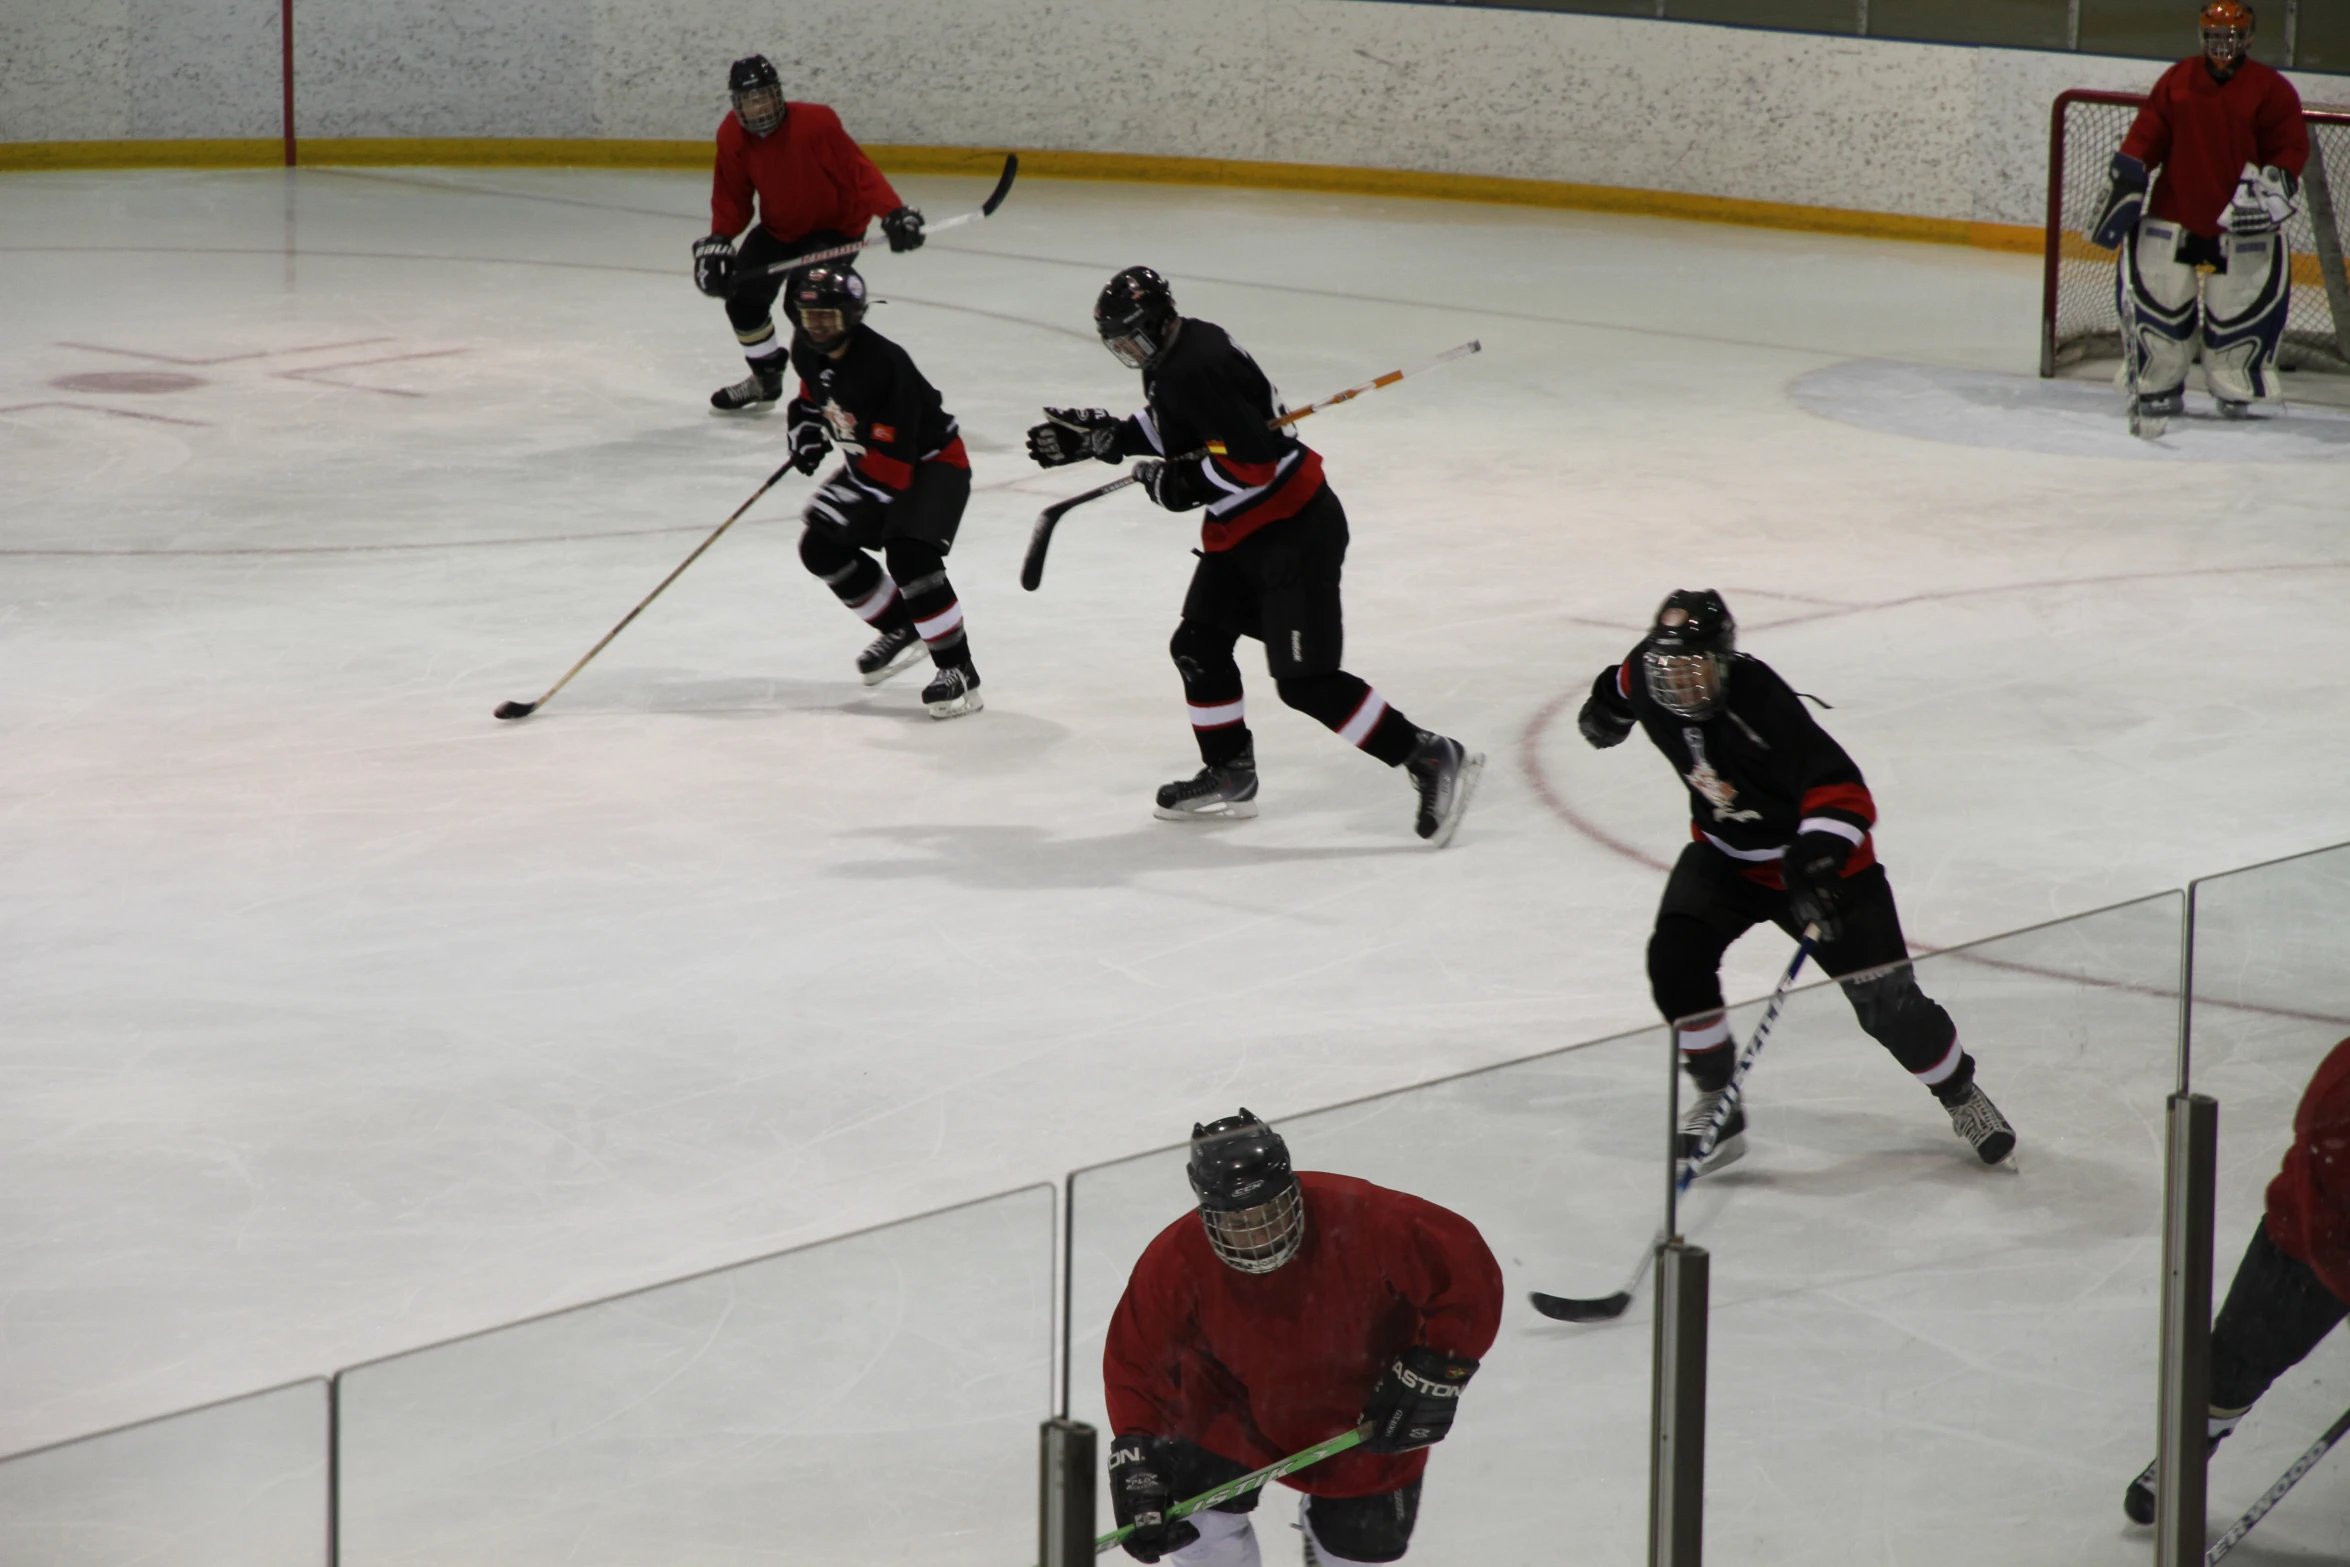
(2262, 203)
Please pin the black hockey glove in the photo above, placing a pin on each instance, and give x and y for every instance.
(1142, 1488)
(1415, 1400)
(1602, 725)
(2125, 198)
(904, 228)
(843, 505)
(809, 434)
(714, 265)
(1169, 485)
(1073, 434)
(1814, 873)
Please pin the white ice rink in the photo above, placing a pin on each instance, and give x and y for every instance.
(337, 1018)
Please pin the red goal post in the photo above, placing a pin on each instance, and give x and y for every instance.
(2077, 316)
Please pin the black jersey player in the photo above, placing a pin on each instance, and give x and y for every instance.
(901, 491)
(1781, 827)
(1272, 545)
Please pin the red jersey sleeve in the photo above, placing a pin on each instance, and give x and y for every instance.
(850, 170)
(2282, 133)
(1441, 1267)
(2309, 1201)
(730, 181)
(2150, 133)
(1142, 1352)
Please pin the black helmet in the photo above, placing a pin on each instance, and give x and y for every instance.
(1688, 652)
(836, 289)
(1249, 1198)
(1135, 316)
(758, 93)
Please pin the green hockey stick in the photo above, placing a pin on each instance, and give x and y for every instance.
(1247, 1482)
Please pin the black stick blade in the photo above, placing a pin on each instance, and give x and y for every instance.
(515, 709)
(1567, 1308)
(1039, 541)
(1003, 186)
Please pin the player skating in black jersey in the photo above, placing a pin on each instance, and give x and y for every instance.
(1781, 819)
(901, 491)
(1272, 546)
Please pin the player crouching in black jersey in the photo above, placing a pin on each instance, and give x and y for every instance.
(1272, 545)
(1781, 821)
(901, 491)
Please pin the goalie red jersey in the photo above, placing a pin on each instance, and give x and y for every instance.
(2201, 132)
(1254, 1366)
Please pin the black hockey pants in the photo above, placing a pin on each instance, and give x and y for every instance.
(1708, 904)
(2276, 1311)
(1374, 1528)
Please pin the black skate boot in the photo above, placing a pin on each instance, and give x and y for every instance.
(893, 652)
(1729, 1147)
(1445, 773)
(1974, 1117)
(2138, 1497)
(1229, 790)
(760, 386)
(953, 691)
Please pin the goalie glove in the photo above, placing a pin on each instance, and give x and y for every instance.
(2125, 200)
(809, 435)
(2262, 202)
(1073, 434)
(714, 265)
(1414, 1404)
(904, 229)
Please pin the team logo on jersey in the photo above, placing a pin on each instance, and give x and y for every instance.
(844, 428)
(1717, 790)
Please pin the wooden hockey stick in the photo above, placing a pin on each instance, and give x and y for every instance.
(1041, 538)
(525, 709)
(995, 199)
(1247, 1482)
(2276, 1493)
(1606, 1308)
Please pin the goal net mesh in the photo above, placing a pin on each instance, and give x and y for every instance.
(2080, 321)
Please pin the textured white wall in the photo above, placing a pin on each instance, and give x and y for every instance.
(1921, 129)
(133, 70)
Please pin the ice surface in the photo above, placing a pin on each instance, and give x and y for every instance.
(339, 1018)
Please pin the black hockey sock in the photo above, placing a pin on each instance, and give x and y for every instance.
(766, 352)
(930, 600)
(1211, 692)
(1707, 1051)
(1357, 714)
(856, 578)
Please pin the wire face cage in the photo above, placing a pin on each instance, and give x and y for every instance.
(2077, 316)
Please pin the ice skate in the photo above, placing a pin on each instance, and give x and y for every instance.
(2150, 416)
(1229, 790)
(2230, 408)
(1728, 1148)
(2138, 1496)
(1445, 774)
(893, 652)
(1974, 1117)
(953, 691)
(760, 386)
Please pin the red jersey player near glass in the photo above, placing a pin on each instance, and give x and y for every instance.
(2293, 1285)
(1290, 1308)
(2227, 134)
(812, 188)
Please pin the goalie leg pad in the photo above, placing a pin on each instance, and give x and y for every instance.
(2244, 316)
(2155, 293)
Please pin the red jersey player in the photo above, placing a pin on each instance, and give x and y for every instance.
(813, 189)
(2294, 1282)
(1288, 1309)
(2228, 135)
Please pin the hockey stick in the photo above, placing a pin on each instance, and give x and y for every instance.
(1032, 565)
(1246, 1483)
(2276, 1493)
(1606, 1308)
(995, 199)
(525, 709)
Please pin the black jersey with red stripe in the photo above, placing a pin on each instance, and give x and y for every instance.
(1206, 394)
(884, 416)
(1760, 771)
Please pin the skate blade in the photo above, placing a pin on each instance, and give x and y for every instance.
(968, 702)
(1464, 787)
(906, 660)
(1229, 811)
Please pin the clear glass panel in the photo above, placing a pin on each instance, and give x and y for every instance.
(2321, 39)
(2272, 997)
(1556, 1162)
(2015, 24)
(1807, 16)
(240, 1484)
(873, 1399)
(1914, 1358)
